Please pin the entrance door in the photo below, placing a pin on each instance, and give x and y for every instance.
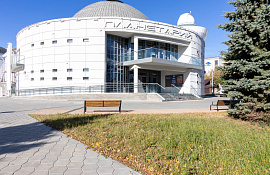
(148, 78)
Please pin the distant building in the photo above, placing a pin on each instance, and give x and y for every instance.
(211, 63)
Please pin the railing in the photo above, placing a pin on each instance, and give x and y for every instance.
(158, 53)
(18, 59)
(174, 89)
(108, 88)
(195, 61)
(193, 91)
(163, 54)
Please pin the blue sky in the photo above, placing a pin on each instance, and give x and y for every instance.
(17, 14)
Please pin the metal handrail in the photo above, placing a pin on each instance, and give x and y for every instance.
(174, 87)
(171, 56)
(196, 92)
(107, 88)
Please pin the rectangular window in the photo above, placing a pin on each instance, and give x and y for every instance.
(42, 71)
(69, 70)
(41, 43)
(54, 70)
(69, 40)
(41, 78)
(85, 78)
(85, 69)
(32, 79)
(32, 45)
(32, 71)
(86, 40)
(69, 78)
(54, 78)
(54, 42)
(216, 62)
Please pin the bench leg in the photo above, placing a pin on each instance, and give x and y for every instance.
(84, 108)
(120, 109)
(217, 107)
(210, 107)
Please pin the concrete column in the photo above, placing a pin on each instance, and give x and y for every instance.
(136, 78)
(8, 69)
(136, 46)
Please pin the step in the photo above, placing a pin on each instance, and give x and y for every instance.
(177, 97)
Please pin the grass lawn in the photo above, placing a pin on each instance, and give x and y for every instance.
(202, 143)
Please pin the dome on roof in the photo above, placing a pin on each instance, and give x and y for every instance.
(186, 19)
(110, 8)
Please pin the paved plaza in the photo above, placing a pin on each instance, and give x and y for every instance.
(29, 147)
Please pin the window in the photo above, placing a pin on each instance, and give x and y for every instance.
(69, 70)
(54, 42)
(41, 78)
(32, 79)
(86, 69)
(69, 40)
(69, 78)
(85, 78)
(54, 70)
(42, 71)
(41, 43)
(32, 45)
(86, 40)
(32, 71)
(54, 78)
(216, 62)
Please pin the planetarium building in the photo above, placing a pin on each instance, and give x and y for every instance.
(111, 47)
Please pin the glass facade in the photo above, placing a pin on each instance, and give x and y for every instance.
(153, 49)
(117, 49)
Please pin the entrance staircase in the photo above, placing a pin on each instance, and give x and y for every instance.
(178, 97)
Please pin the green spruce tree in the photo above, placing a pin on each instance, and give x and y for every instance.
(246, 73)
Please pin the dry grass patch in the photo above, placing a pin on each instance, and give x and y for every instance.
(201, 143)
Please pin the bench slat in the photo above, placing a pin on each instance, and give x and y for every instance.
(94, 103)
(112, 103)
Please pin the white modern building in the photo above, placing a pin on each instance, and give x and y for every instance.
(110, 46)
(212, 63)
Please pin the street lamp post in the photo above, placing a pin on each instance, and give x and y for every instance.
(212, 80)
(210, 64)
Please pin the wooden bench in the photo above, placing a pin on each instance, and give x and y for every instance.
(224, 103)
(102, 103)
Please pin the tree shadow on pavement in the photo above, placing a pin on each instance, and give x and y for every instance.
(71, 121)
(15, 139)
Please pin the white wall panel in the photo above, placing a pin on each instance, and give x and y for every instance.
(62, 34)
(78, 33)
(62, 25)
(48, 27)
(74, 24)
(64, 49)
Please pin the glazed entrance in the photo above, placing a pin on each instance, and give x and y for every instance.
(149, 76)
